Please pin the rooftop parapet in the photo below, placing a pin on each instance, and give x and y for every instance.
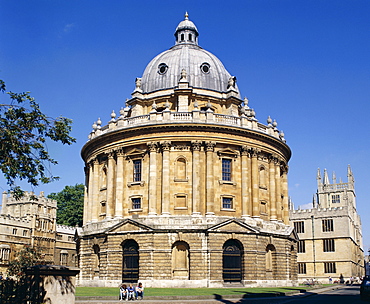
(244, 121)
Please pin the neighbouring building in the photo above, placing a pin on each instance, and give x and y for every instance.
(330, 237)
(31, 220)
(185, 187)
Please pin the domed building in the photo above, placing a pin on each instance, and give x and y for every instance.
(185, 187)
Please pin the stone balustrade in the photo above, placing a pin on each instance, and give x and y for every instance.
(196, 116)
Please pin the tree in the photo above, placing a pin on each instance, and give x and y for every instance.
(26, 257)
(70, 202)
(24, 130)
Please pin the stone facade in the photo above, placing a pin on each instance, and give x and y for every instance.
(186, 188)
(330, 237)
(32, 221)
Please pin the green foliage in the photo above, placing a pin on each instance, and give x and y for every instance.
(28, 256)
(24, 130)
(70, 205)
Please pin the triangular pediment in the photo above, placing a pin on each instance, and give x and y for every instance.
(233, 226)
(127, 225)
(135, 153)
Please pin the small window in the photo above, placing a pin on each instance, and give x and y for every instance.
(328, 245)
(330, 267)
(14, 231)
(327, 225)
(335, 199)
(226, 169)
(182, 37)
(180, 201)
(190, 37)
(137, 170)
(301, 247)
(136, 203)
(205, 67)
(302, 268)
(25, 232)
(162, 68)
(227, 203)
(299, 227)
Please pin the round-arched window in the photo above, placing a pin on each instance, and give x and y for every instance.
(162, 68)
(205, 67)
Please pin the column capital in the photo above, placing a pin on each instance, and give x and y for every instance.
(245, 150)
(166, 145)
(210, 146)
(152, 146)
(254, 152)
(120, 152)
(195, 145)
(111, 154)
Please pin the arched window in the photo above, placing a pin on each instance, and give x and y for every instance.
(103, 178)
(232, 261)
(181, 169)
(130, 263)
(180, 260)
(262, 179)
(190, 37)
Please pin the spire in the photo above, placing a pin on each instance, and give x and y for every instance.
(334, 178)
(326, 178)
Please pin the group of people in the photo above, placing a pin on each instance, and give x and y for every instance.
(130, 292)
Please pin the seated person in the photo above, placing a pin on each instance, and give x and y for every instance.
(123, 292)
(140, 291)
(131, 293)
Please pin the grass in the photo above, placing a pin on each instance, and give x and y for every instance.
(111, 291)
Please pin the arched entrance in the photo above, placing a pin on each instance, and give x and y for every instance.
(130, 267)
(232, 261)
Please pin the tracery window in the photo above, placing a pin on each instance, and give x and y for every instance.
(301, 247)
(330, 267)
(327, 225)
(328, 245)
(302, 268)
(299, 226)
(335, 199)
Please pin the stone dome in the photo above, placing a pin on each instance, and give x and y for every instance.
(203, 69)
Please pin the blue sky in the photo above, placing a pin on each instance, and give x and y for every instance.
(304, 63)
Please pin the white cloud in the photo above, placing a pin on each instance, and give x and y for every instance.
(68, 27)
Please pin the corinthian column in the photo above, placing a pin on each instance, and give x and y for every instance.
(196, 180)
(285, 195)
(245, 185)
(89, 197)
(166, 146)
(110, 185)
(272, 189)
(210, 193)
(278, 191)
(119, 184)
(95, 187)
(255, 184)
(152, 179)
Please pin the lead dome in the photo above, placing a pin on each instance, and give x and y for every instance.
(204, 70)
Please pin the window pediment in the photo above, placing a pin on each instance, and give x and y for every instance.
(135, 153)
(228, 153)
